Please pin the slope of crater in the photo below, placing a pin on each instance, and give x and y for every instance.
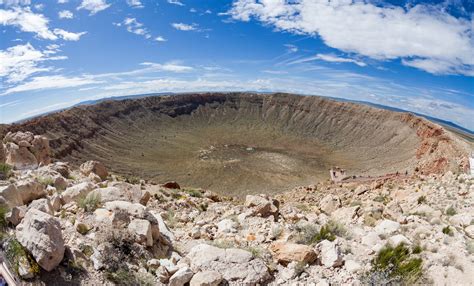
(238, 143)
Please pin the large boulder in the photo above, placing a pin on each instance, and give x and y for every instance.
(77, 191)
(141, 228)
(121, 191)
(286, 252)
(30, 190)
(236, 266)
(132, 209)
(387, 227)
(40, 233)
(329, 204)
(181, 277)
(40, 148)
(206, 278)
(262, 205)
(94, 167)
(11, 196)
(20, 157)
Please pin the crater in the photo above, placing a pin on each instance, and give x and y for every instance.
(239, 143)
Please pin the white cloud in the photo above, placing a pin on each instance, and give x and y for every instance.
(160, 39)
(94, 6)
(39, 7)
(329, 58)
(135, 3)
(62, 1)
(184, 27)
(426, 37)
(176, 2)
(27, 21)
(65, 14)
(69, 36)
(19, 62)
(51, 82)
(291, 48)
(135, 27)
(169, 67)
(15, 2)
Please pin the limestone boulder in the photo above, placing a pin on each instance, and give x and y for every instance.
(121, 191)
(141, 228)
(262, 205)
(30, 190)
(329, 204)
(43, 205)
(206, 278)
(40, 149)
(387, 227)
(132, 209)
(11, 196)
(286, 252)
(181, 277)
(330, 254)
(94, 167)
(77, 191)
(237, 266)
(19, 157)
(40, 233)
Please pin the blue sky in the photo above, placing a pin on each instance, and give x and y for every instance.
(415, 55)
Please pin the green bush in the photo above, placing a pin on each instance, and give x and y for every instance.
(15, 253)
(451, 211)
(397, 264)
(3, 212)
(90, 202)
(309, 234)
(447, 230)
(46, 181)
(193, 193)
(5, 171)
(421, 200)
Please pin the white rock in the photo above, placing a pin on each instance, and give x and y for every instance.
(329, 204)
(387, 227)
(30, 190)
(11, 195)
(330, 254)
(41, 234)
(181, 277)
(77, 191)
(133, 209)
(461, 220)
(469, 231)
(142, 230)
(397, 239)
(43, 205)
(206, 278)
(227, 226)
(236, 265)
(352, 266)
(94, 167)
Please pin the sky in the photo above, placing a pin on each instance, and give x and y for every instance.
(415, 55)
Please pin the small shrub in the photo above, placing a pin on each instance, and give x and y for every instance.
(447, 230)
(5, 171)
(421, 200)
(397, 264)
(310, 235)
(46, 181)
(3, 212)
(122, 276)
(170, 218)
(203, 207)
(451, 211)
(193, 193)
(15, 253)
(277, 231)
(90, 202)
(417, 249)
(132, 180)
(337, 229)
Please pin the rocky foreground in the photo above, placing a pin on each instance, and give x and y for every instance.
(88, 227)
